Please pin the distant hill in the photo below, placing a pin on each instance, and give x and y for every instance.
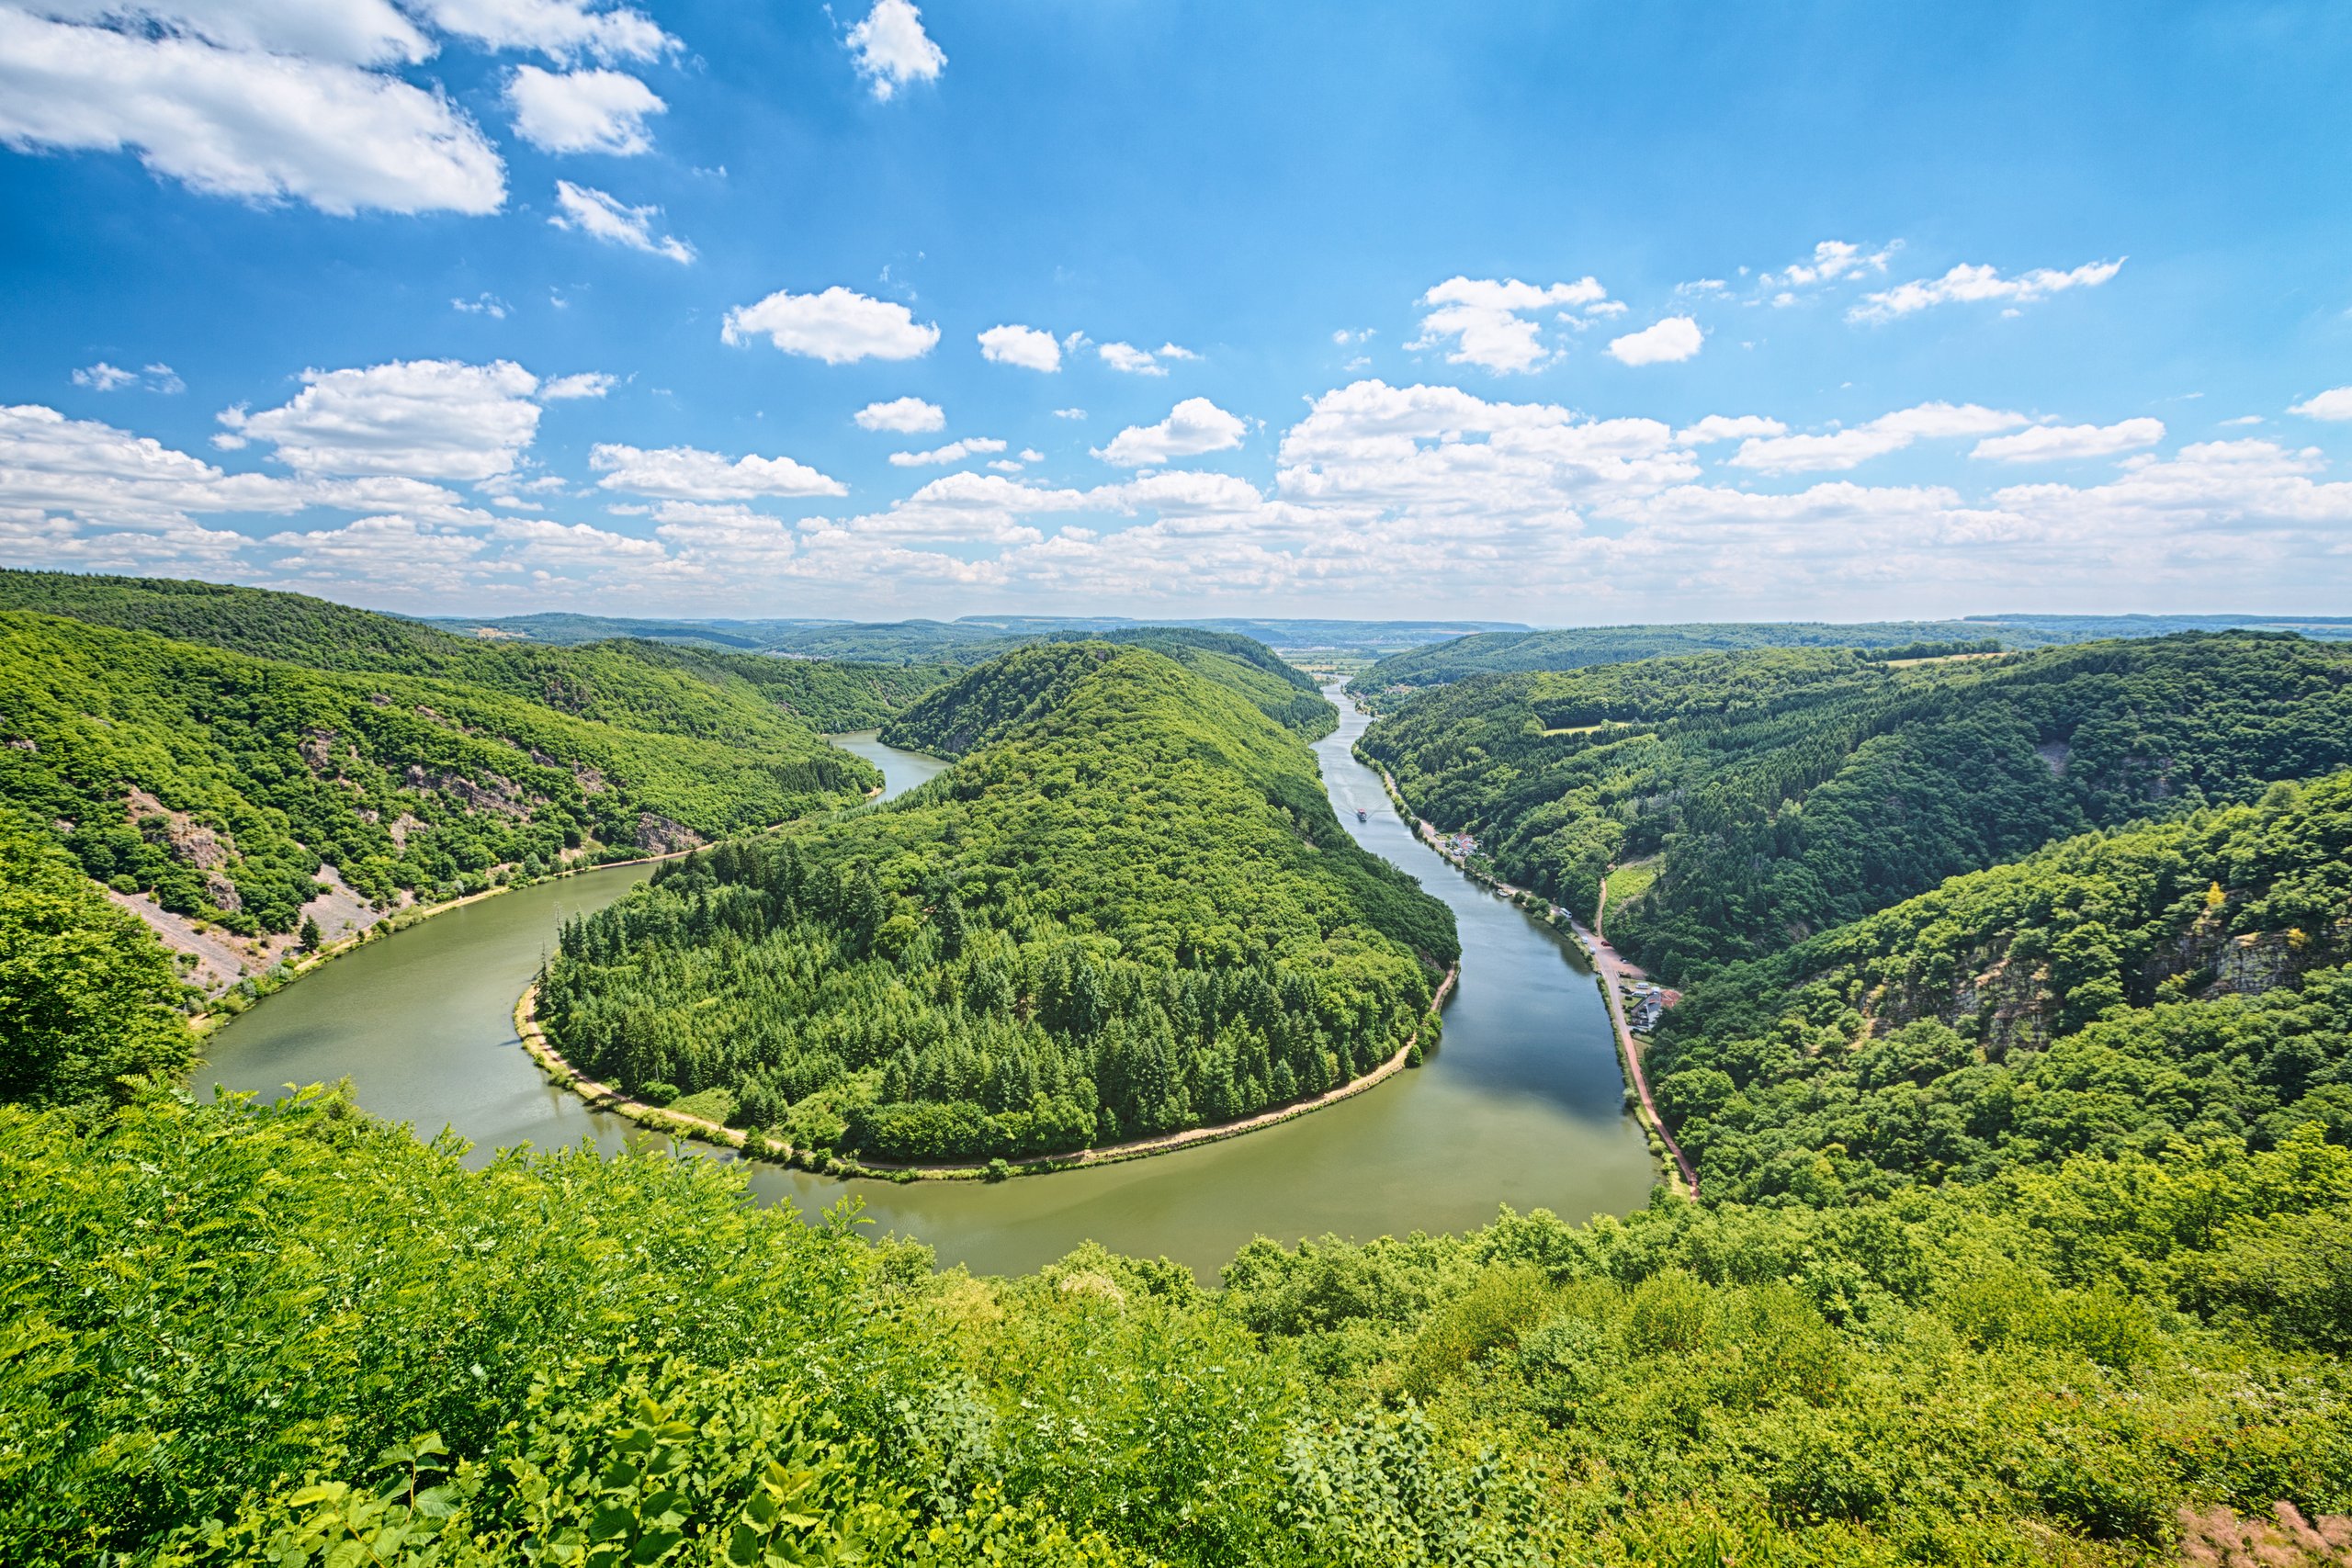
(561, 629)
(222, 785)
(997, 698)
(1575, 647)
(642, 684)
(1788, 790)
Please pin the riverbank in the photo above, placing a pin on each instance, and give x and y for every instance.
(285, 972)
(603, 1096)
(1682, 1177)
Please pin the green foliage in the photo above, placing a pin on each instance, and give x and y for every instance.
(706, 693)
(221, 783)
(86, 996)
(1791, 791)
(1129, 910)
(1577, 647)
(2113, 993)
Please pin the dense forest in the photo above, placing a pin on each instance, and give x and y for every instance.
(2026, 1234)
(220, 784)
(1788, 790)
(2110, 995)
(711, 694)
(1128, 910)
(1382, 687)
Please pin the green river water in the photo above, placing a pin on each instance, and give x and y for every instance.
(1524, 1105)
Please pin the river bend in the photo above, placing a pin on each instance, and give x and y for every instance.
(1524, 1105)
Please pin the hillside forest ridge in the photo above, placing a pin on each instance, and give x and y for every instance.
(2013, 1051)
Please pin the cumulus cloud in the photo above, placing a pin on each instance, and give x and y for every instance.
(1485, 319)
(688, 473)
(561, 30)
(839, 326)
(105, 377)
(1858, 443)
(1134, 361)
(1728, 427)
(954, 452)
(1193, 426)
(2070, 442)
(2335, 403)
(1069, 413)
(427, 418)
(586, 383)
(891, 48)
(601, 217)
(1831, 261)
(484, 304)
(1027, 347)
(239, 122)
(908, 416)
(581, 111)
(1662, 343)
(1966, 283)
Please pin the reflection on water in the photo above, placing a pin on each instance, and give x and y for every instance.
(1525, 1104)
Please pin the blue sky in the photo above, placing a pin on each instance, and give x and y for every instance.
(1570, 314)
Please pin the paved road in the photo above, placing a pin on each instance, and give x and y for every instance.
(1605, 960)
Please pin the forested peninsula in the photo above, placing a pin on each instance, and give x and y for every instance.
(1128, 910)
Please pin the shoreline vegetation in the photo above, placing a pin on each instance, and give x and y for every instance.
(1675, 1171)
(602, 1097)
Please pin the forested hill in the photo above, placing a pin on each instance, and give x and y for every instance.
(1789, 791)
(1575, 648)
(2108, 995)
(219, 783)
(709, 694)
(996, 699)
(1128, 909)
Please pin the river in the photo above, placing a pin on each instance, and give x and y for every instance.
(1523, 1105)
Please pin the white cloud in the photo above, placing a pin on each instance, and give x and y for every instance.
(1484, 319)
(561, 30)
(427, 418)
(581, 111)
(732, 539)
(599, 216)
(1193, 426)
(891, 48)
(2334, 403)
(1831, 260)
(954, 452)
(1859, 444)
(687, 473)
(2070, 442)
(1662, 343)
(586, 383)
(1170, 351)
(1132, 361)
(1728, 427)
(236, 122)
(1965, 283)
(2242, 420)
(353, 32)
(909, 416)
(1027, 347)
(839, 326)
(105, 377)
(1069, 413)
(484, 304)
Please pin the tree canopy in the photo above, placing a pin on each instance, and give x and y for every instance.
(1128, 910)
